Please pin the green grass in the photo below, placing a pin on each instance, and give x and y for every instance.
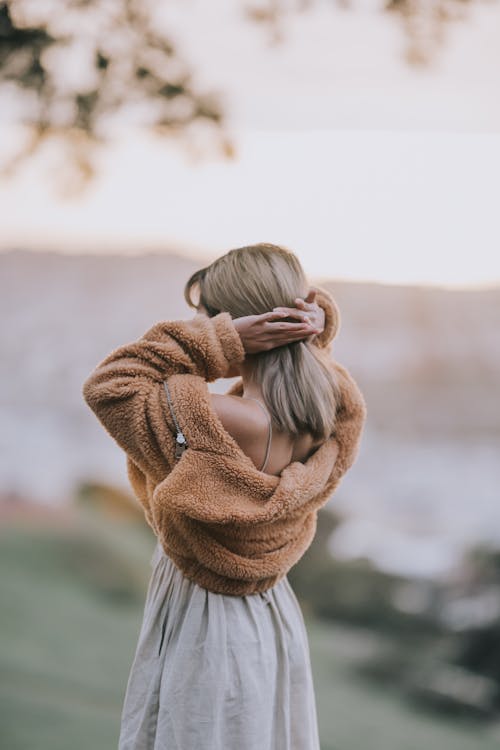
(67, 638)
(72, 604)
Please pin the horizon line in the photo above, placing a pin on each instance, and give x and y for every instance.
(192, 256)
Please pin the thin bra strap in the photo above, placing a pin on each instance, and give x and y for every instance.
(270, 431)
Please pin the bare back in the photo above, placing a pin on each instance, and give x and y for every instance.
(248, 425)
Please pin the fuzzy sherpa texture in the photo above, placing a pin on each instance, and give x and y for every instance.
(228, 526)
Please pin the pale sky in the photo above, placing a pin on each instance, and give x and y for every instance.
(364, 167)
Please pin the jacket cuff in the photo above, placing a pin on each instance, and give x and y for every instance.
(332, 317)
(229, 338)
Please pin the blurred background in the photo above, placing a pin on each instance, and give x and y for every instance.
(141, 140)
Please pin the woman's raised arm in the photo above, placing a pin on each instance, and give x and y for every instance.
(126, 390)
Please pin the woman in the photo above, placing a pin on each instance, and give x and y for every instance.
(231, 485)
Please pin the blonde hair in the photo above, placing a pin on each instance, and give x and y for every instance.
(299, 390)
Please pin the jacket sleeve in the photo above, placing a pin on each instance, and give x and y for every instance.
(350, 423)
(126, 390)
(332, 319)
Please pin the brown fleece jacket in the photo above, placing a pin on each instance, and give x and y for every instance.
(228, 526)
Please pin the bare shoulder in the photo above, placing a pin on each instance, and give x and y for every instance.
(247, 424)
(238, 416)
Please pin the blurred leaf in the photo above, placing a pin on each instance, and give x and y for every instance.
(134, 68)
(133, 65)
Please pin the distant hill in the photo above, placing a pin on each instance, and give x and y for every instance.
(427, 360)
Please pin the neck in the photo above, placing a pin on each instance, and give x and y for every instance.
(250, 386)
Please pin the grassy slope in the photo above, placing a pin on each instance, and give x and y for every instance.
(68, 634)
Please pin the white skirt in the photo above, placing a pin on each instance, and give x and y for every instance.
(218, 672)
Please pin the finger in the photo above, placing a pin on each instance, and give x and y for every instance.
(311, 295)
(281, 325)
(290, 312)
(286, 331)
(305, 328)
(286, 337)
(303, 305)
(277, 314)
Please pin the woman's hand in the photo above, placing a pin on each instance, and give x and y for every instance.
(315, 312)
(262, 332)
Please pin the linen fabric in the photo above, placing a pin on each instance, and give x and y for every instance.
(218, 672)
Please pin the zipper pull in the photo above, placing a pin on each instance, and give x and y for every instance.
(180, 444)
(180, 440)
